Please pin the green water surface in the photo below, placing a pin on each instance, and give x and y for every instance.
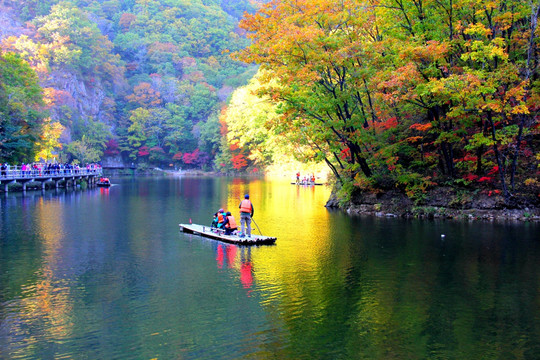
(106, 274)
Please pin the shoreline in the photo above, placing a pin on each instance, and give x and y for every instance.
(442, 203)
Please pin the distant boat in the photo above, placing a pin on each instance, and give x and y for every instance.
(104, 182)
(309, 183)
(219, 234)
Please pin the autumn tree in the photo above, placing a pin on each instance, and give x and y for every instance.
(83, 47)
(83, 151)
(21, 115)
(48, 144)
(318, 52)
(254, 125)
(144, 95)
(468, 67)
(398, 92)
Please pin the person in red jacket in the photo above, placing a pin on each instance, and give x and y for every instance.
(246, 213)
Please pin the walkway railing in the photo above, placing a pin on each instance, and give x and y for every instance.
(16, 172)
(26, 175)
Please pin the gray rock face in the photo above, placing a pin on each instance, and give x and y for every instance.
(86, 100)
(9, 26)
(113, 162)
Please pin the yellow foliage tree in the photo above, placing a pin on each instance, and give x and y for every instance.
(48, 141)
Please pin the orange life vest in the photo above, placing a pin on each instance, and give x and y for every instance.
(232, 223)
(245, 206)
(220, 218)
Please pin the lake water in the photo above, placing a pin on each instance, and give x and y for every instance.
(106, 274)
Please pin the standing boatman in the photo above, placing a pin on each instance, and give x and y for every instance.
(246, 212)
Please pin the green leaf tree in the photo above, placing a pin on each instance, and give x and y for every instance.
(21, 114)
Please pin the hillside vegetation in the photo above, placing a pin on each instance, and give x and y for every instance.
(141, 80)
(392, 95)
(407, 95)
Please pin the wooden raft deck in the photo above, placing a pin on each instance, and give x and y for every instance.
(218, 234)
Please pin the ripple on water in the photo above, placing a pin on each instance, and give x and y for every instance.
(111, 277)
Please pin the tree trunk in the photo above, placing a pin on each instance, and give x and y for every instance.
(498, 158)
(479, 153)
(446, 150)
(516, 152)
(535, 11)
(356, 155)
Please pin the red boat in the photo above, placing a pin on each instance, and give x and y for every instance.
(105, 182)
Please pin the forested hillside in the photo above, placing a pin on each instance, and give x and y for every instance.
(409, 95)
(140, 80)
(406, 95)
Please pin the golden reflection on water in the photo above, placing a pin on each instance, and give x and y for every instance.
(297, 217)
(48, 298)
(50, 222)
(284, 210)
(375, 288)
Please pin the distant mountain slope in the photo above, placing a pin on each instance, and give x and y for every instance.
(140, 79)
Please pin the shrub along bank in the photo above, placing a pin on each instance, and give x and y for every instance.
(443, 203)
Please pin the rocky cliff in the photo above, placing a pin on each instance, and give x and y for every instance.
(74, 96)
(85, 100)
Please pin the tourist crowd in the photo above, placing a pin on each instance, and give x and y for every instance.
(43, 169)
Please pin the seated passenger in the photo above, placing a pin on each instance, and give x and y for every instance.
(230, 224)
(219, 218)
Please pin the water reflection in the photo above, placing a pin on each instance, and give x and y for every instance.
(106, 273)
(104, 191)
(239, 259)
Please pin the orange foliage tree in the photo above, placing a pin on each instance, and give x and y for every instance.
(145, 96)
(407, 87)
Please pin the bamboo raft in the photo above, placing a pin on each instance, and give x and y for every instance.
(219, 234)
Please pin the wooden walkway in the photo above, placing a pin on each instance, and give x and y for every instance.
(68, 175)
